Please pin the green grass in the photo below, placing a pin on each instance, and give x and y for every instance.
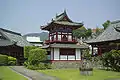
(74, 74)
(8, 74)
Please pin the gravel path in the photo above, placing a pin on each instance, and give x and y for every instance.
(34, 75)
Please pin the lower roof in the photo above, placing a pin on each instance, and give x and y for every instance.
(55, 45)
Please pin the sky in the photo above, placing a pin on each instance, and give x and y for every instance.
(26, 16)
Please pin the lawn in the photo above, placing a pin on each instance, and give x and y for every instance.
(8, 74)
(74, 74)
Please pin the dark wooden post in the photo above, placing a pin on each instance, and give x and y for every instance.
(92, 49)
(56, 36)
(99, 50)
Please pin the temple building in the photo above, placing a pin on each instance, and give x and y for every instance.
(63, 48)
(108, 40)
(12, 44)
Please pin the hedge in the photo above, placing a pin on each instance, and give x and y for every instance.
(3, 60)
(27, 50)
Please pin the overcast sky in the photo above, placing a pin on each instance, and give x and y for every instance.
(26, 16)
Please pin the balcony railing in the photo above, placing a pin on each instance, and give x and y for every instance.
(66, 41)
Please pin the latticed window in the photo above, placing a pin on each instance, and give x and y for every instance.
(67, 51)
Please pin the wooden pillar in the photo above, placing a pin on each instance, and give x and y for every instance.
(92, 49)
(56, 36)
(49, 36)
(61, 36)
(53, 53)
(99, 50)
(18, 60)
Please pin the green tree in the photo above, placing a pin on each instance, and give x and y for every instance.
(106, 24)
(88, 32)
(27, 50)
(98, 31)
(112, 59)
(37, 56)
(82, 32)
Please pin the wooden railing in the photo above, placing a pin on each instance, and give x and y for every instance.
(51, 41)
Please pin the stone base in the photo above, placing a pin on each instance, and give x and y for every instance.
(65, 64)
(86, 73)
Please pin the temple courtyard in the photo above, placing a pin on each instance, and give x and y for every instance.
(21, 73)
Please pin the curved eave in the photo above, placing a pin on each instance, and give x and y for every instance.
(69, 23)
(6, 43)
(65, 23)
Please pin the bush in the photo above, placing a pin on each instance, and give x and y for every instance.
(27, 50)
(112, 60)
(11, 61)
(86, 54)
(36, 60)
(36, 56)
(3, 60)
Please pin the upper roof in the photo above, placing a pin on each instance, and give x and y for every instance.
(111, 33)
(63, 19)
(11, 38)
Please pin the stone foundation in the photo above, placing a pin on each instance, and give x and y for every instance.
(65, 64)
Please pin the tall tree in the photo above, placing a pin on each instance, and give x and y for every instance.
(106, 24)
(82, 32)
(98, 31)
(88, 32)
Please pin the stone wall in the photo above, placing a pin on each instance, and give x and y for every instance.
(65, 64)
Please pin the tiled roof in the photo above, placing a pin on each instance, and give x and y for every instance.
(63, 19)
(111, 33)
(82, 46)
(12, 38)
(6, 43)
(68, 23)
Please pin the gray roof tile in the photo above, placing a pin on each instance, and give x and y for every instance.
(13, 37)
(110, 34)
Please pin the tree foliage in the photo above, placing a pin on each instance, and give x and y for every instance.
(112, 60)
(106, 24)
(37, 59)
(98, 31)
(37, 55)
(3, 60)
(89, 32)
(82, 32)
(27, 50)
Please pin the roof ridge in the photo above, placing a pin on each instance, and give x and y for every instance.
(10, 31)
(114, 22)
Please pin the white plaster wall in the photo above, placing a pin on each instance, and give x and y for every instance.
(71, 57)
(33, 39)
(78, 54)
(59, 37)
(51, 53)
(56, 53)
(63, 57)
(69, 38)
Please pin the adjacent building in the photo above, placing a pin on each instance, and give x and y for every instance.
(34, 39)
(12, 44)
(108, 40)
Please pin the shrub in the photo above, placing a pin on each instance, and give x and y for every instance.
(36, 56)
(3, 60)
(11, 60)
(86, 54)
(27, 50)
(48, 66)
(36, 60)
(112, 60)
(40, 66)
